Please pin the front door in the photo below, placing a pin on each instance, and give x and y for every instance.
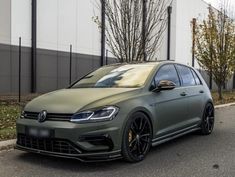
(171, 105)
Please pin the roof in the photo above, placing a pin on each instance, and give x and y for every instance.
(143, 62)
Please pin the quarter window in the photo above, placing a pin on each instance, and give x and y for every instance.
(197, 80)
(186, 76)
(167, 72)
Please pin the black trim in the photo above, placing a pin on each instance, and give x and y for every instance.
(176, 134)
(34, 46)
(169, 11)
(179, 76)
(102, 33)
(49, 144)
(84, 157)
(97, 140)
(193, 76)
(211, 80)
(193, 70)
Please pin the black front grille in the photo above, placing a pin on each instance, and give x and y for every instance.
(49, 145)
(50, 116)
(31, 115)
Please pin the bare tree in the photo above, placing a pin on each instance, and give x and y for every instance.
(127, 21)
(215, 46)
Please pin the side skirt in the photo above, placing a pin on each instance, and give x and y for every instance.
(172, 136)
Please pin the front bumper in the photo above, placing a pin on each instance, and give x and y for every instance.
(85, 142)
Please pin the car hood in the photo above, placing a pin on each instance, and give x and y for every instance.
(73, 100)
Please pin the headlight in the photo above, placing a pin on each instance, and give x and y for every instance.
(99, 115)
(22, 115)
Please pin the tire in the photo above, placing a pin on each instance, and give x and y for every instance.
(137, 138)
(208, 120)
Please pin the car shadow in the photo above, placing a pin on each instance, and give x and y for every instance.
(77, 166)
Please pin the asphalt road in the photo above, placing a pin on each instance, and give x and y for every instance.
(190, 156)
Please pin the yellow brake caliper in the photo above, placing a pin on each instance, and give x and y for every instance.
(130, 137)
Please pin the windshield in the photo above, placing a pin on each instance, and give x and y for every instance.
(116, 76)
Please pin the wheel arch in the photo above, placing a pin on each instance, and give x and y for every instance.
(146, 112)
(209, 101)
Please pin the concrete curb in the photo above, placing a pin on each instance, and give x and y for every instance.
(224, 105)
(9, 144)
(6, 145)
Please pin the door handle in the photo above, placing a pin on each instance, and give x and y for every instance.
(201, 91)
(183, 94)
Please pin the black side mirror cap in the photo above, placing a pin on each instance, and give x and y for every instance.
(164, 85)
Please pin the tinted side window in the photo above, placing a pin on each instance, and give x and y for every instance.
(186, 75)
(198, 81)
(167, 72)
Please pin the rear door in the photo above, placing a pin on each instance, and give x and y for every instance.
(194, 94)
(196, 108)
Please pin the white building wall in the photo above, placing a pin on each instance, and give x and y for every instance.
(89, 37)
(5, 22)
(21, 22)
(65, 22)
(183, 12)
(161, 53)
(47, 24)
(186, 11)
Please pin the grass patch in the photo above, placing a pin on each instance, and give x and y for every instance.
(10, 110)
(8, 117)
(228, 97)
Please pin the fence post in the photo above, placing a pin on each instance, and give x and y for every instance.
(193, 44)
(19, 69)
(103, 9)
(169, 12)
(70, 64)
(144, 21)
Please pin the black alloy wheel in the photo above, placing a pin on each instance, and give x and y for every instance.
(137, 138)
(208, 120)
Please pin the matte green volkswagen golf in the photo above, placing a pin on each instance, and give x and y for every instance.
(118, 111)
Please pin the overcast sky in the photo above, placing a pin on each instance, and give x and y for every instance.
(216, 3)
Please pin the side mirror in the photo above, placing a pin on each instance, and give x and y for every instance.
(165, 85)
